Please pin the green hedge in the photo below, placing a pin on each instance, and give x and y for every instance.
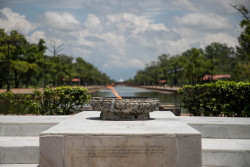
(19, 104)
(59, 101)
(223, 98)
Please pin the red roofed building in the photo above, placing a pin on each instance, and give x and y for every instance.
(216, 77)
(162, 81)
(73, 80)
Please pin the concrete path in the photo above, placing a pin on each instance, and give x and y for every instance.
(30, 90)
(161, 88)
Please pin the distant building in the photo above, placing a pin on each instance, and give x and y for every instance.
(216, 77)
(73, 80)
(162, 81)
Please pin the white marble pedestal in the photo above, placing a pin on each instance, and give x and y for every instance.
(86, 141)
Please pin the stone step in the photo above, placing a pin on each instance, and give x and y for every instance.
(19, 150)
(23, 129)
(27, 125)
(226, 152)
(37, 165)
(220, 127)
(19, 165)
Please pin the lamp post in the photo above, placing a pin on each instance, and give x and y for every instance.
(8, 71)
(44, 79)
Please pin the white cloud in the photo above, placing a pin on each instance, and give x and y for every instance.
(36, 36)
(185, 4)
(10, 20)
(222, 38)
(93, 23)
(82, 38)
(83, 52)
(64, 21)
(118, 63)
(136, 63)
(204, 21)
(135, 24)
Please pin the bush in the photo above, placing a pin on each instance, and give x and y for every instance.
(11, 103)
(223, 98)
(60, 101)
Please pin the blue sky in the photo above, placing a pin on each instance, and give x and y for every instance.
(120, 36)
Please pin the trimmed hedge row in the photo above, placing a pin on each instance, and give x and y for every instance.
(59, 101)
(223, 98)
(17, 104)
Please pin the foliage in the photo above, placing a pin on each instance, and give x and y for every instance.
(30, 66)
(189, 67)
(243, 50)
(61, 101)
(195, 66)
(220, 59)
(11, 103)
(223, 98)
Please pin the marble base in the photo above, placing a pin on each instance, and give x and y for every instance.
(86, 141)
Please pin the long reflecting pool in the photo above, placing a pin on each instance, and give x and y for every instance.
(164, 97)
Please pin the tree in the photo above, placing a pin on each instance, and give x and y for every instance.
(18, 65)
(28, 65)
(219, 58)
(141, 78)
(55, 50)
(34, 60)
(65, 69)
(242, 69)
(175, 68)
(243, 50)
(195, 65)
(42, 49)
(163, 60)
(3, 53)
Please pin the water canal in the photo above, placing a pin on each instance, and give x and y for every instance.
(165, 98)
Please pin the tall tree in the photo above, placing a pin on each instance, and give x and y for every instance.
(42, 49)
(34, 63)
(219, 58)
(163, 61)
(18, 65)
(3, 57)
(175, 68)
(195, 65)
(242, 69)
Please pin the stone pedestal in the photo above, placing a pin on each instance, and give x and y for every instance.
(86, 141)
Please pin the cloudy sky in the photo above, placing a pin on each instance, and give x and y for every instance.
(120, 36)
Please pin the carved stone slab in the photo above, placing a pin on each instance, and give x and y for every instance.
(122, 151)
(130, 108)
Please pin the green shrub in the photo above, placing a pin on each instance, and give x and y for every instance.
(11, 103)
(223, 98)
(60, 101)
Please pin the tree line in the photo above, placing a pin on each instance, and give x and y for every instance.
(27, 65)
(194, 64)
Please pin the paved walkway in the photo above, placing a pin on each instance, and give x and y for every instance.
(161, 88)
(30, 90)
